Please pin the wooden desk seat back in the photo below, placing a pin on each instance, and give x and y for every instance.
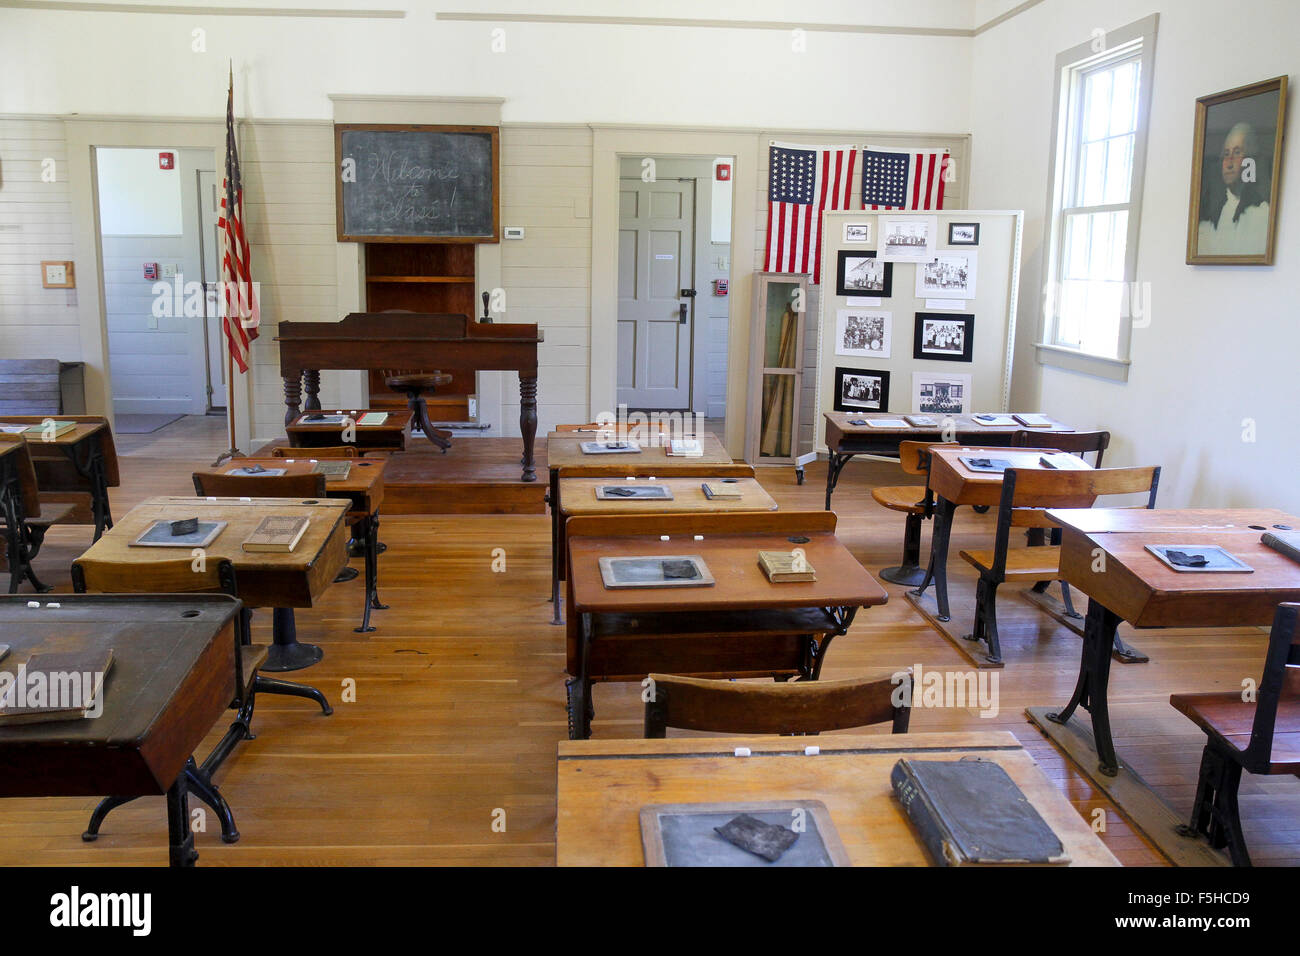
(29, 491)
(805, 707)
(320, 451)
(309, 485)
(1076, 443)
(168, 575)
(914, 456)
(1028, 493)
(914, 459)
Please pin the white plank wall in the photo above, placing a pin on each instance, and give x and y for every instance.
(35, 224)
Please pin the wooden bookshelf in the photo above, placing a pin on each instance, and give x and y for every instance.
(423, 277)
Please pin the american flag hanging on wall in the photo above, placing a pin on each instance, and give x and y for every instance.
(903, 178)
(241, 313)
(802, 181)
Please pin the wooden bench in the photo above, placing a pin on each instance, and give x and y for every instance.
(1261, 736)
(1026, 496)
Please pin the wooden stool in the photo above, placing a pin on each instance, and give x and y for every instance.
(415, 385)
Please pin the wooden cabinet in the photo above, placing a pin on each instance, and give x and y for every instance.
(776, 338)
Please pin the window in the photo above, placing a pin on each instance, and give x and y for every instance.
(1091, 296)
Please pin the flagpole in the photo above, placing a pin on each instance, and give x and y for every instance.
(232, 451)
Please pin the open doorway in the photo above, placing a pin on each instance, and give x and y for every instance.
(153, 247)
(674, 259)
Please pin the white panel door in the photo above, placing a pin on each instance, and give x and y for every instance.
(209, 212)
(655, 251)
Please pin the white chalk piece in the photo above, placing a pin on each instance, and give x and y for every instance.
(245, 499)
(291, 460)
(699, 537)
(630, 478)
(742, 752)
(54, 604)
(33, 603)
(211, 498)
(811, 751)
(664, 537)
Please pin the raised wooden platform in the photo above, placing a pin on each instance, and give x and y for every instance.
(477, 476)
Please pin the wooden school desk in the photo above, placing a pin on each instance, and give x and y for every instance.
(363, 487)
(603, 784)
(392, 435)
(954, 485)
(843, 440)
(564, 454)
(742, 626)
(1134, 585)
(79, 464)
(279, 580)
(173, 677)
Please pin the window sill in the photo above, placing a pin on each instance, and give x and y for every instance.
(1070, 360)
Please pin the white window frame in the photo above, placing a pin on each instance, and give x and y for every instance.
(1072, 66)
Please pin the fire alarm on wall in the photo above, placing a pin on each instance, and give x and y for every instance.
(166, 160)
(724, 172)
(151, 271)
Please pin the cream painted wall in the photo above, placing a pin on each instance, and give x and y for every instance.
(1222, 344)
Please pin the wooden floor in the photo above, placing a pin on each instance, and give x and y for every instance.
(460, 697)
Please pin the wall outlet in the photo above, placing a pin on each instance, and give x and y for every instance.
(473, 407)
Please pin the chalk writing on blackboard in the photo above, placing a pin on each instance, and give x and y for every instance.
(419, 183)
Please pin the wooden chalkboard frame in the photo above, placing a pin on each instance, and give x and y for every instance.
(493, 131)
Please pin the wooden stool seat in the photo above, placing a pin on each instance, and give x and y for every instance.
(252, 657)
(417, 381)
(1023, 564)
(1231, 720)
(909, 499)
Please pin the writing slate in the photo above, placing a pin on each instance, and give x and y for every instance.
(416, 183)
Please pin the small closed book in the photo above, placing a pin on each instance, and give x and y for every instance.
(686, 448)
(1033, 421)
(56, 429)
(1283, 542)
(970, 813)
(276, 533)
(784, 567)
(373, 418)
(721, 489)
(334, 469)
(62, 685)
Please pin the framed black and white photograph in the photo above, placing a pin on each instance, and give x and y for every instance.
(937, 394)
(857, 232)
(863, 274)
(863, 333)
(945, 336)
(1236, 161)
(907, 238)
(963, 233)
(949, 275)
(861, 390)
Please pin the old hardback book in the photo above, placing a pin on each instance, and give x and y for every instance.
(685, 448)
(781, 567)
(373, 418)
(1283, 542)
(276, 533)
(719, 489)
(970, 812)
(1033, 420)
(68, 687)
(334, 469)
(56, 429)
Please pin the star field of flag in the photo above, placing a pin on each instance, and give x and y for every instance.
(885, 178)
(793, 175)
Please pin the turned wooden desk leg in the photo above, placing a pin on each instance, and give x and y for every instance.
(292, 398)
(311, 385)
(528, 422)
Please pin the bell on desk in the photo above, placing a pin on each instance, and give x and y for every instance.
(487, 318)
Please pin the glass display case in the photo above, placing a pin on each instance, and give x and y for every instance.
(776, 338)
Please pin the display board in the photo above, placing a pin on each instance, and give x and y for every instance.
(417, 183)
(917, 312)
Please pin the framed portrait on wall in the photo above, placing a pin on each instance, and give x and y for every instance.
(963, 233)
(1236, 166)
(857, 232)
(861, 390)
(860, 273)
(944, 336)
(938, 394)
(908, 238)
(863, 333)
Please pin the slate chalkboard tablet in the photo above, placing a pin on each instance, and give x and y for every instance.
(417, 183)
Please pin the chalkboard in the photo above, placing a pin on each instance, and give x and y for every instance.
(416, 183)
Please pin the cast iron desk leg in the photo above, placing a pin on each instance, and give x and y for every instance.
(286, 653)
(557, 549)
(938, 567)
(180, 838)
(1094, 678)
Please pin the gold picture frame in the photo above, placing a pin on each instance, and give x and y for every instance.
(1225, 224)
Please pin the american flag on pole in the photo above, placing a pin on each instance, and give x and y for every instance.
(802, 181)
(903, 178)
(240, 315)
